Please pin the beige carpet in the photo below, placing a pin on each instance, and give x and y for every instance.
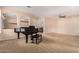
(51, 43)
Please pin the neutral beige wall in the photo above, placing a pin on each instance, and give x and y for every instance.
(0, 21)
(9, 32)
(18, 15)
(51, 24)
(69, 25)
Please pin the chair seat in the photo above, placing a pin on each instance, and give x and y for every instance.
(36, 38)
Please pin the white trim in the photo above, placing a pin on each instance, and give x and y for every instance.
(29, 21)
(43, 25)
(18, 22)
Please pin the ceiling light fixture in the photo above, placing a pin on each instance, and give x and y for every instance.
(28, 6)
(62, 16)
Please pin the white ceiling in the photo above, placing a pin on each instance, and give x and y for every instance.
(49, 10)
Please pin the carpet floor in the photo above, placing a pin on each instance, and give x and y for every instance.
(52, 43)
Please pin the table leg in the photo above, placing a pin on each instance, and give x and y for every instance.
(26, 38)
(18, 35)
